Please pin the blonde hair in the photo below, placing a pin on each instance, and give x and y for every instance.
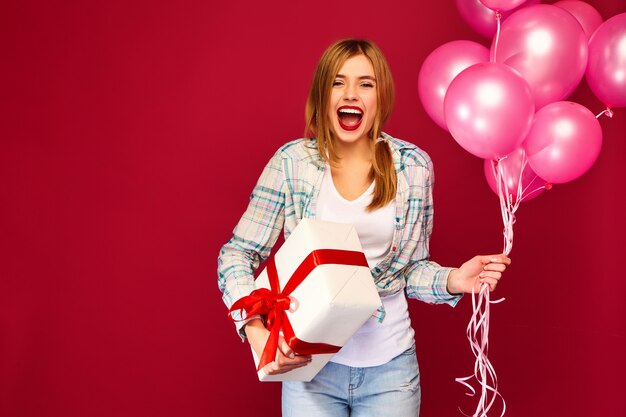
(318, 125)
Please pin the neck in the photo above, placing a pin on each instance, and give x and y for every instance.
(358, 150)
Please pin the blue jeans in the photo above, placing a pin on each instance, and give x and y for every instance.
(390, 390)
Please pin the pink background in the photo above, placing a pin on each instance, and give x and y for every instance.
(131, 134)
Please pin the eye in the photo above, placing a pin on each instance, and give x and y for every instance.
(337, 83)
(367, 85)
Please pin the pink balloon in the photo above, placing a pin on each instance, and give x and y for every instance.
(440, 68)
(481, 18)
(502, 5)
(489, 109)
(514, 171)
(548, 47)
(606, 71)
(587, 16)
(564, 141)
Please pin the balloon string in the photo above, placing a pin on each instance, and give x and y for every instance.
(526, 194)
(478, 335)
(497, 38)
(508, 203)
(478, 328)
(607, 111)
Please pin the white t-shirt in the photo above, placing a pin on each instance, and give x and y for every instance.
(374, 343)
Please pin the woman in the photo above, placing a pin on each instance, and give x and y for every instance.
(350, 171)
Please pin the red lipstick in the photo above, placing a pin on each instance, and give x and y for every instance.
(353, 113)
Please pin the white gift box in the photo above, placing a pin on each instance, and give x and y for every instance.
(334, 300)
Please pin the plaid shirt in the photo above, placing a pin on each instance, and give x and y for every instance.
(287, 191)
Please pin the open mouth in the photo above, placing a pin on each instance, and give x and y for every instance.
(350, 117)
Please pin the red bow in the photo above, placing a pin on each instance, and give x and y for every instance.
(274, 302)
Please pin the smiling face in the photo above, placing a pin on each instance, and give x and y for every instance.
(353, 100)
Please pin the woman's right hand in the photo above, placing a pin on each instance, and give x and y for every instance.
(285, 361)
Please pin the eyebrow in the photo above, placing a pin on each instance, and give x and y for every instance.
(362, 77)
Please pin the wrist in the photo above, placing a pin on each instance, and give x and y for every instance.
(254, 325)
(451, 284)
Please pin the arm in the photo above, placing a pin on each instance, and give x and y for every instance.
(426, 280)
(251, 243)
(432, 283)
(254, 236)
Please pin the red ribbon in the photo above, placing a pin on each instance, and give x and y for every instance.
(274, 303)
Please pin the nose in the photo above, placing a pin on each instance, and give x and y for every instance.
(350, 93)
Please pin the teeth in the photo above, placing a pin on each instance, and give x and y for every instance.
(353, 111)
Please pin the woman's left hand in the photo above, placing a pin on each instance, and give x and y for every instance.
(478, 270)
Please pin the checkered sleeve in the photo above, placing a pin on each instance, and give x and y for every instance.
(426, 280)
(253, 237)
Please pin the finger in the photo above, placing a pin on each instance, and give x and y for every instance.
(287, 368)
(283, 365)
(491, 282)
(490, 274)
(283, 369)
(271, 368)
(274, 368)
(494, 267)
(500, 259)
(286, 349)
(298, 360)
